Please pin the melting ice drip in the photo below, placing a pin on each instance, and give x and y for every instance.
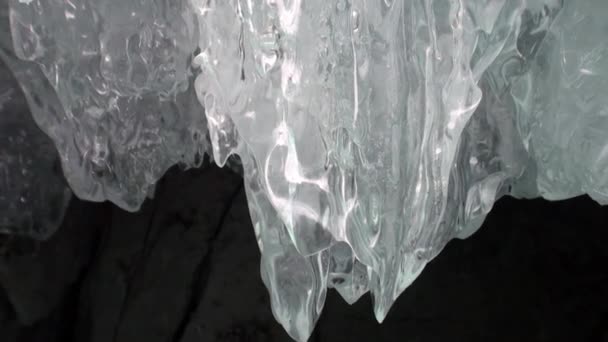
(371, 132)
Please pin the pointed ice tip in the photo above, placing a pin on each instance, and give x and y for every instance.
(299, 326)
(382, 305)
(299, 334)
(380, 312)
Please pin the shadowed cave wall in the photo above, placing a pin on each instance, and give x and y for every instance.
(186, 269)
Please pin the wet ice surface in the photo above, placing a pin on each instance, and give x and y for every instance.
(126, 109)
(370, 132)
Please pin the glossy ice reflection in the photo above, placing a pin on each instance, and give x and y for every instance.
(370, 132)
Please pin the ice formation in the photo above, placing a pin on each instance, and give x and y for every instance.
(33, 193)
(371, 132)
(125, 108)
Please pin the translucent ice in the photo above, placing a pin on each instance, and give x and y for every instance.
(371, 132)
(33, 193)
(562, 104)
(126, 111)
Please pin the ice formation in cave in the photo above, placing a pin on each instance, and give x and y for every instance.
(125, 108)
(371, 132)
(33, 193)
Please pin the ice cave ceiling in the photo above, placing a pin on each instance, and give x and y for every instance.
(370, 132)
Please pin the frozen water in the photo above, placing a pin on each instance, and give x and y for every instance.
(370, 132)
(126, 110)
(33, 193)
(373, 132)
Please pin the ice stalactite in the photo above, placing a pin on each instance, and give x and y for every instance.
(370, 132)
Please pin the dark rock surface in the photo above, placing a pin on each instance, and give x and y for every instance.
(186, 269)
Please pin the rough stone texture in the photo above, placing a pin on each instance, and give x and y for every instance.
(39, 279)
(185, 269)
(233, 303)
(151, 262)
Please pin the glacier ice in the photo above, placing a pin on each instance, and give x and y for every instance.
(370, 132)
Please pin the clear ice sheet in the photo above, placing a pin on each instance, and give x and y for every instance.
(370, 132)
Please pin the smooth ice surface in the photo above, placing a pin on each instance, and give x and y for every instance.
(371, 132)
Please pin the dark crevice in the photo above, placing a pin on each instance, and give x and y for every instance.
(101, 244)
(78, 288)
(203, 270)
(139, 262)
(316, 334)
(7, 309)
